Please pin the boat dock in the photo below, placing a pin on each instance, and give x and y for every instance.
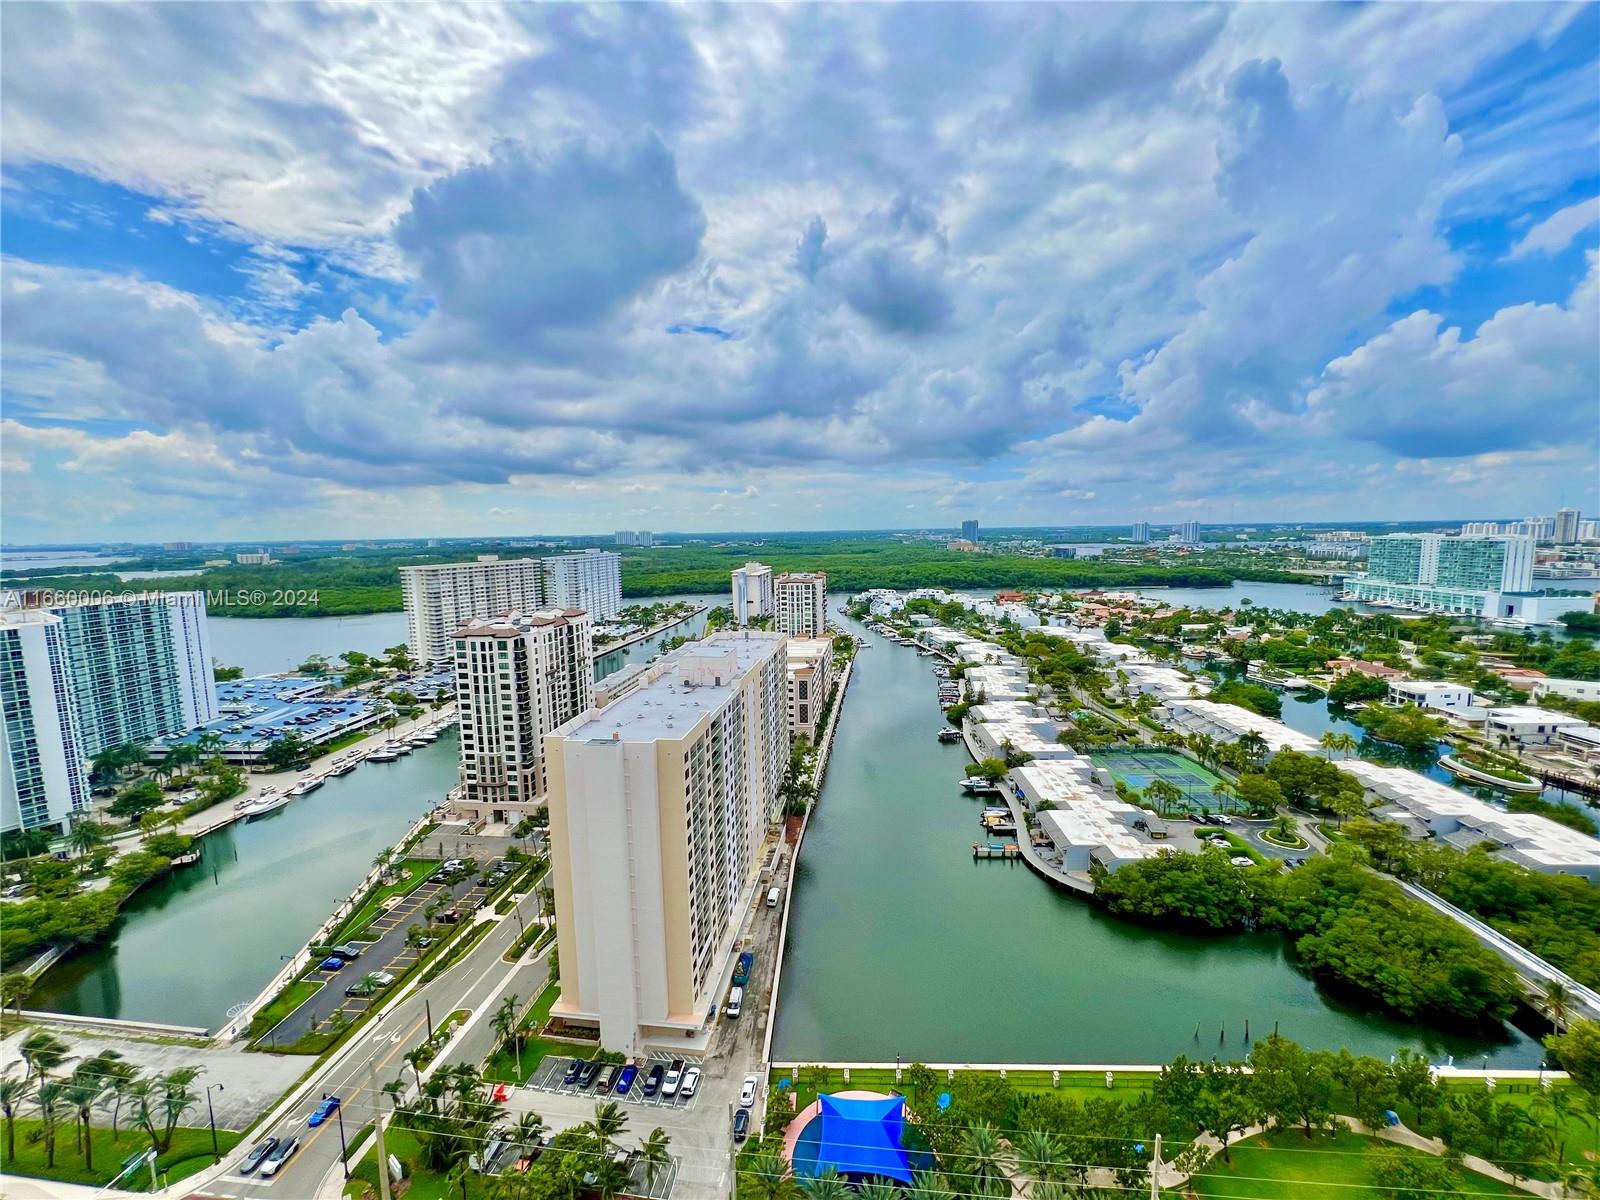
(995, 850)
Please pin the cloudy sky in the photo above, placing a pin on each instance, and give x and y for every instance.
(286, 271)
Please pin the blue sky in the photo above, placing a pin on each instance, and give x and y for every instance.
(286, 271)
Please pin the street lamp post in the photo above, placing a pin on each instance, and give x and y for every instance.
(344, 1153)
(211, 1116)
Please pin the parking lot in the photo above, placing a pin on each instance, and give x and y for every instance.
(549, 1074)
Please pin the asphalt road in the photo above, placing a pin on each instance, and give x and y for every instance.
(376, 1057)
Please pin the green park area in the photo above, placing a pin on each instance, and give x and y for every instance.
(188, 1152)
(503, 1065)
(1287, 1166)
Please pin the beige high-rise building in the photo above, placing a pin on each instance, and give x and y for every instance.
(659, 804)
(801, 601)
(440, 597)
(518, 676)
(810, 676)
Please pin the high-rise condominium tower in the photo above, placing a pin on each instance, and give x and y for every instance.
(440, 597)
(800, 600)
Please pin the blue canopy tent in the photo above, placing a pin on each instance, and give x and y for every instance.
(862, 1137)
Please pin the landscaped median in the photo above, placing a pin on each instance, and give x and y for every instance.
(1236, 843)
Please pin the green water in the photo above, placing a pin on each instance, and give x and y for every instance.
(900, 945)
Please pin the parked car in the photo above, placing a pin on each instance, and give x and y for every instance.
(741, 969)
(574, 1069)
(747, 1091)
(323, 1111)
(625, 1080)
(609, 1079)
(690, 1084)
(652, 1081)
(258, 1155)
(735, 1002)
(1223, 819)
(741, 1124)
(332, 963)
(669, 1085)
(279, 1156)
(348, 951)
(590, 1074)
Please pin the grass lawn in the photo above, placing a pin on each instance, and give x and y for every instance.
(190, 1152)
(284, 1003)
(414, 872)
(1080, 1085)
(1285, 1165)
(423, 1185)
(502, 1067)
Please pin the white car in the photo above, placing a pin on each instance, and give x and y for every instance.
(747, 1092)
(279, 1156)
(1239, 860)
(690, 1083)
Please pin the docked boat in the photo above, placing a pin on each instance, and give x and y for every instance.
(345, 763)
(385, 753)
(976, 785)
(948, 734)
(269, 801)
(306, 784)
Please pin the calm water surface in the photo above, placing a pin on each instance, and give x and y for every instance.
(193, 944)
(900, 944)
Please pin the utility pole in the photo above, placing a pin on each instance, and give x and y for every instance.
(377, 1131)
(1155, 1171)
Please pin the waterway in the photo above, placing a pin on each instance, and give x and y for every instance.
(202, 939)
(900, 944)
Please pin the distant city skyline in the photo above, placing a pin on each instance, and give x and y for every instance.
(511, 267)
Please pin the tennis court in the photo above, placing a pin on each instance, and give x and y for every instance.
(1139, 768)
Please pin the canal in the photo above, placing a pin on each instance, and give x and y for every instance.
(901, 945)
(196, 942)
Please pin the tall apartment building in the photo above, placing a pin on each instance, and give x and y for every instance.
(969, 531)
(1431, 572)
(1568, 523)
(810, 676)
(441, 597)
(1141, 531)
(43, 776)
(659, 804)
(140, 667)
(752, 593)
(588, 579)
(635, 537)
(1481, 529)
(1189, 532)
(800, 602)
(518, 676)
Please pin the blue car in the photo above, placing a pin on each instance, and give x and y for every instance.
(625, 1080)
(331, 963)
(329, 1106)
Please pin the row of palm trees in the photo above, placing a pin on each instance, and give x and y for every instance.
(103, 1080)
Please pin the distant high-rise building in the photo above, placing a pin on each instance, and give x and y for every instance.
(969, 531)
(1567, 523)
(177, 547)
(645, 538)
(752, 593)
(1481, 529)
(658, 806)
(518, 676)
(254, 558)
(43, 776)
(588, 579)
(1435, 573)
(1589, 529)
(635, 537)
(1141, 531)
(140, 666)
(1189, 532)
(441, 597)
(800, 600)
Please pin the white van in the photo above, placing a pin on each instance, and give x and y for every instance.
(772, 897)
(735, 1001)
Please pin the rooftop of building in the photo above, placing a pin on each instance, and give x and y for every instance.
(802, 576)
(1529, 713)
(685, 685)
(487, 561)
(513, 624)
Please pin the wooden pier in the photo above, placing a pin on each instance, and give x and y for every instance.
(1571, 783)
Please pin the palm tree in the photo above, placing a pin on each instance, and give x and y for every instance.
(14, 1091)
(43, 1052)
(1346, 744)
(980, 1152)
(1039, 1154)
(50, 1098)
(653, 1154)
(1329, 742)
(529, 1128)
(1589, 1103)
(78, 1097)
(1557, 1101)
(1557, 1003)
(86, 836)
(767, 1177)
(877, 1189)
(608, 1124)
(505, 1026)
(119, 1081)
(459, 1172)
(1253, 746)
(1222, 792)
(827, 1186)
(929, 1185)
